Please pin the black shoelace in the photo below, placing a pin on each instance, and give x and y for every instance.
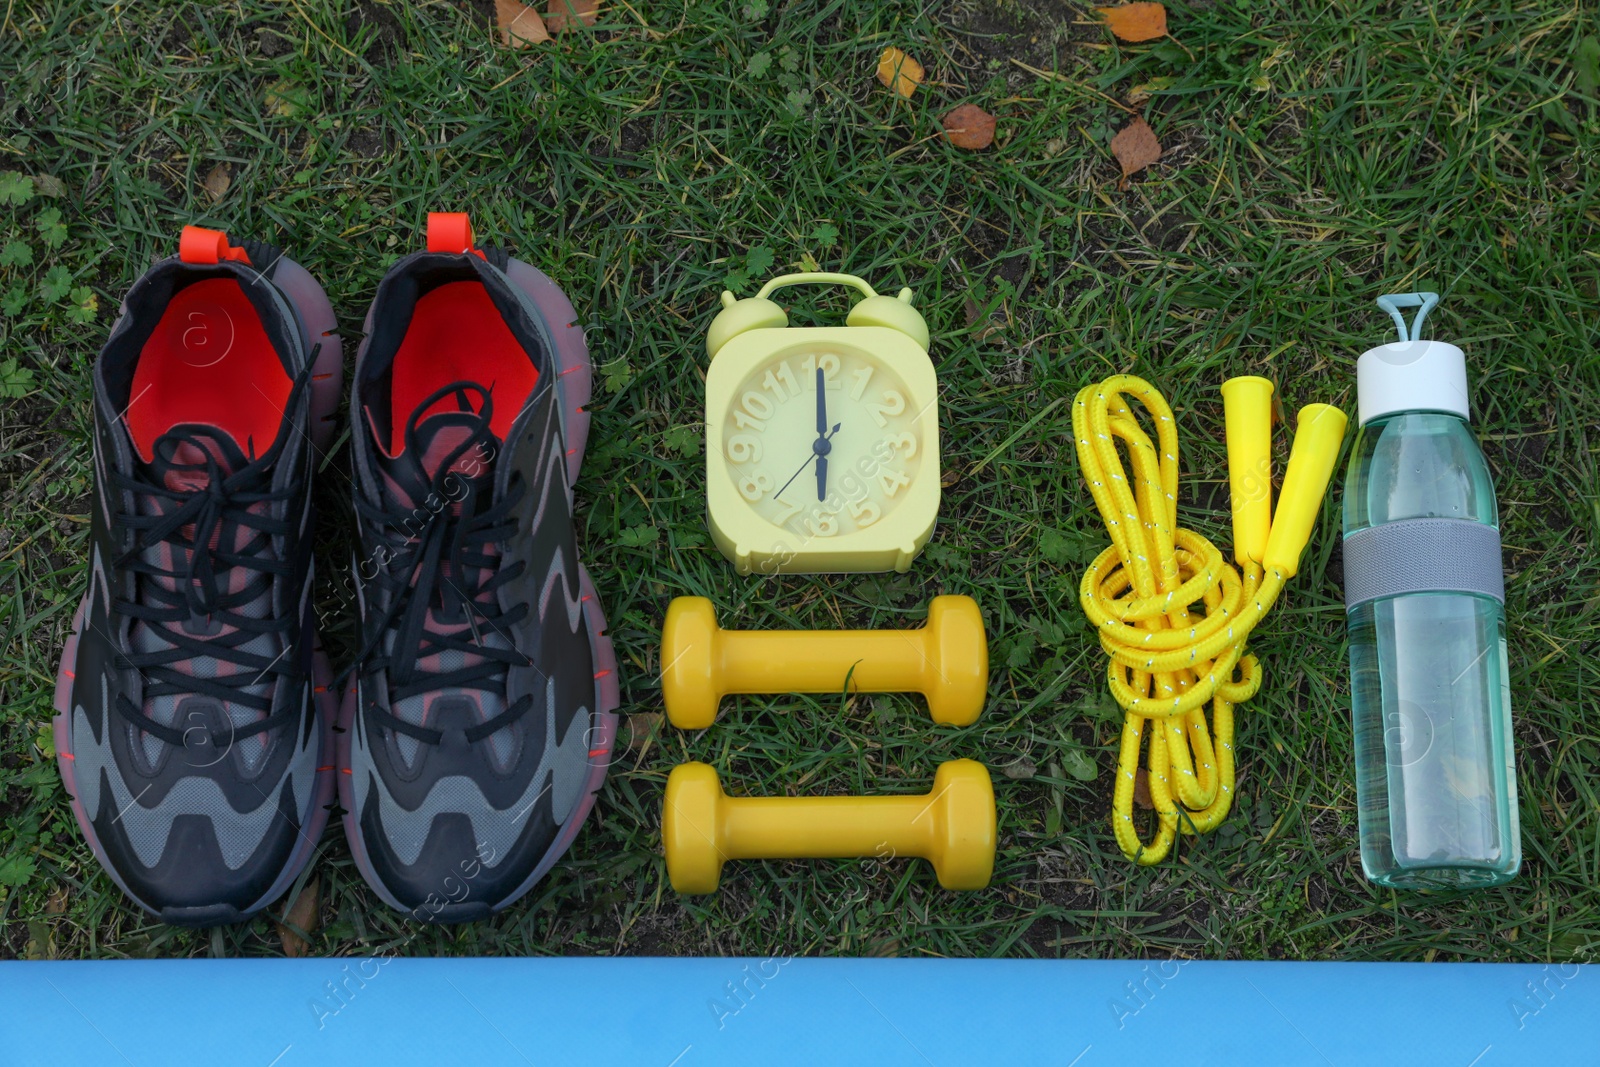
(440, 564)
(199, 528)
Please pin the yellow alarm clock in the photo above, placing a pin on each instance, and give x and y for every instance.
(822, 444)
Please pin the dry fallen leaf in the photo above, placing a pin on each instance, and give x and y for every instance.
(56, 902)
(1020, 769)
(1141, 789)
(1135, 147)
(974, 312)
(1143, 21)
(642, 729)
(899, 71)
(285, 99)
(969, 127)
(217, 182)
(972, 309)
(1141, 92)
(884, 949)
(520, 25)
(302, 915)
(564, 16)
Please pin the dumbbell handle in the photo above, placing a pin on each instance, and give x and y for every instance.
(826, 827)
(816, 661)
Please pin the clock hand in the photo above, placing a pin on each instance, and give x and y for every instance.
(822, 404)
(822, 477)
(795, 475)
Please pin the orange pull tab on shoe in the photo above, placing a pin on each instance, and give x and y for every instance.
(450, 231)
(199, 245)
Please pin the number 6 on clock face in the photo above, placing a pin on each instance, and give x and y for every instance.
(822, 447)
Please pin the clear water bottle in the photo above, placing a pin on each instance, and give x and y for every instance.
(1436, 783)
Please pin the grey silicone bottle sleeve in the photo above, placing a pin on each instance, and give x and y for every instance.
(1422, 556)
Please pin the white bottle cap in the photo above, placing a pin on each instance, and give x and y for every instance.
(1411, 376)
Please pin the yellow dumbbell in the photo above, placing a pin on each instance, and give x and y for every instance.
(951, 827)
(947, 661)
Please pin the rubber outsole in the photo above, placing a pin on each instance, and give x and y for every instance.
(317, 319)
(574, 385)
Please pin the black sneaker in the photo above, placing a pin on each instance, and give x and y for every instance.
(481, 720)
(193, 716)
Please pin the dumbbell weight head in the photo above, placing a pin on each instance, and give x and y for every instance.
(691, 826)
(689, 684)
(962, 851)
(959, 652)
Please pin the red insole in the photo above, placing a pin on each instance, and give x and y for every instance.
(209, 362)
(457, 334)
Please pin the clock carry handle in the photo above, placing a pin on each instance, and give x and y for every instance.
(823, 278)
(759, 312)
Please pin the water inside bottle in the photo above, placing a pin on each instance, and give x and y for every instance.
(1432, 696)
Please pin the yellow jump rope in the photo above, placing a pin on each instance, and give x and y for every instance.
(1172, 614)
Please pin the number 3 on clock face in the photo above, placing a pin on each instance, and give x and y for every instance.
(823, 450)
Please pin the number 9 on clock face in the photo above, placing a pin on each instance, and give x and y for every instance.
(822, 450)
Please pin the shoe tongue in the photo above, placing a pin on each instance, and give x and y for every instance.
(184, 456)
(443, 446)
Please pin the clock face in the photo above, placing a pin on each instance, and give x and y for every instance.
(822, 440)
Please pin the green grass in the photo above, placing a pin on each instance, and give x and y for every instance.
(1317, 156)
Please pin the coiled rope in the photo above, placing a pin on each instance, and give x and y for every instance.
(1167, 659)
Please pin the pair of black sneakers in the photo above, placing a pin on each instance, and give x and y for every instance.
(197, 728)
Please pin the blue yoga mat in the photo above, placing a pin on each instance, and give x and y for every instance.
(685, 1012)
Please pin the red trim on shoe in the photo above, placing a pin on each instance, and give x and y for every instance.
(199, 245)
(458, 334)
(209, 361)
(451, 231)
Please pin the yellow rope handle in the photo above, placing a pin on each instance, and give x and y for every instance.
(1168, 661)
